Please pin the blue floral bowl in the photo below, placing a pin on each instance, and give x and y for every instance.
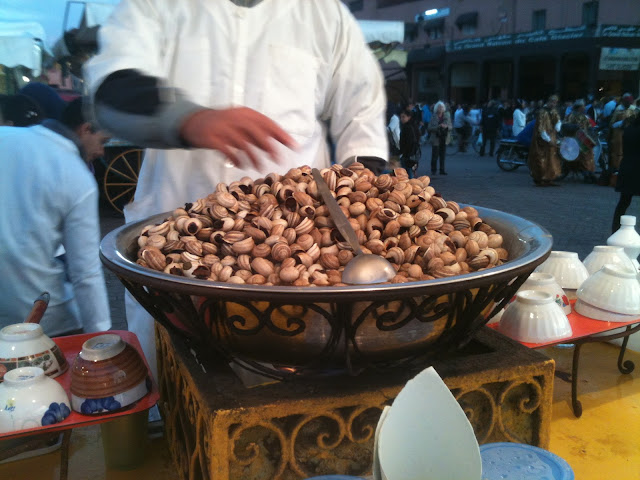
(30, 399)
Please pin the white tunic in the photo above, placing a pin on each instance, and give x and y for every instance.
(304, 64)
(49, 198)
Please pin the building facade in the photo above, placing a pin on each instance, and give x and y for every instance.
(472, 50)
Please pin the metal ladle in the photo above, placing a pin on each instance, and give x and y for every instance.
(364, 268)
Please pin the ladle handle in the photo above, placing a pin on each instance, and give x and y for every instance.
(39, 307)
(339, 218)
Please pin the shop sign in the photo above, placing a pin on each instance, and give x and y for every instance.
(627, 59)
(521, 38)
(568, 33)
(482, 42)
(620, 31)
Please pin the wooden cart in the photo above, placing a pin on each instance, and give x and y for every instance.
(118, 172)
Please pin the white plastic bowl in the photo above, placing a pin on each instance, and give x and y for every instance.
(534, 317)
(29, 399)
(566, 268)
(596, 313)
(606, 254)
(612, 288)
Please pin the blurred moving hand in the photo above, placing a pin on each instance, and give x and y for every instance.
(235, 130)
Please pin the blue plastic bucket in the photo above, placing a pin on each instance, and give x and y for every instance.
(515, 461)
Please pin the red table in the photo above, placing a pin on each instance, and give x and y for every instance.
(587, 330)
(71, 346)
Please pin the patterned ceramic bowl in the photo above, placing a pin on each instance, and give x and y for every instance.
(26, 345)
(30, 399)
(107, 375)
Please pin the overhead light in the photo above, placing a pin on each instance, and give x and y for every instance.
(25, 78)
(433, 11)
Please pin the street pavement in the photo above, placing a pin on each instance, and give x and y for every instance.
(578, 215)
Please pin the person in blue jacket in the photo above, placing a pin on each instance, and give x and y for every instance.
(525, 136)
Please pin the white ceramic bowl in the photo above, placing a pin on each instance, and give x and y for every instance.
(29, 399)
(596, 313)
(534, 317)
(606, 254)
(566, 268)
(612, 288)
(545, 282)
(26, 345)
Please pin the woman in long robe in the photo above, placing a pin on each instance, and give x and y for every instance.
(544, 163)
(585, 163)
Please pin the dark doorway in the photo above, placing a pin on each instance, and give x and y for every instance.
(537, 78)
(575, 77)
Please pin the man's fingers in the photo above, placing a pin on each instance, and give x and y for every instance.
(231, 155)
(237, 142)
(281, 136)
(235, 129)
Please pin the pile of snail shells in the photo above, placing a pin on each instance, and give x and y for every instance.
(277, 231)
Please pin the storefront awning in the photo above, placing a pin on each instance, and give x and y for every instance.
(426, 55)
(469, 18)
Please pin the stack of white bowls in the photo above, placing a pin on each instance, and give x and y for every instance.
(543, 282)
(602, 255)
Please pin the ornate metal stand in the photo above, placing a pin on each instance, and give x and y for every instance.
(625, 367)
(285, 339)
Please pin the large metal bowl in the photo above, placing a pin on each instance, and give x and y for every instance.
(316, 329)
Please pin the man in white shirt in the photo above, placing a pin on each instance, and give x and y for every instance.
(394, 128)
(462, 123)
(220, 89)
(519, 118)
(50, 199)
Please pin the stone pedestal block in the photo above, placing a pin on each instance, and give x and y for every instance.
(217, 428)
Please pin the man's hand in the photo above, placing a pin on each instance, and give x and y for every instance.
(234, 130)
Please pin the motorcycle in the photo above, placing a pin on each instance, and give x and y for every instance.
(511, 154)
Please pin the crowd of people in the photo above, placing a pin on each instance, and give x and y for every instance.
(537, 125)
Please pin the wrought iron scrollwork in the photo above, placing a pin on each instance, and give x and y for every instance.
(341, 332)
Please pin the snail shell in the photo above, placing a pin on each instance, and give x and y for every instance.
(154, 258)
(289, 274)
(243, 246)
(262, 266)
